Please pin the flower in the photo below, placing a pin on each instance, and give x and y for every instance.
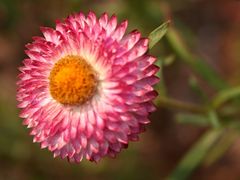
(85, 89)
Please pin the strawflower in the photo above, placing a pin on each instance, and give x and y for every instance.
(86, 88)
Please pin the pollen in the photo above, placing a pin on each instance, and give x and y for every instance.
(72, 81)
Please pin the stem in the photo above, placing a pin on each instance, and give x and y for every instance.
(175, 104)
(213, 117)
(160, 87)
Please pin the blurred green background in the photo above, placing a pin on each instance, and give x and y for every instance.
(207, 29)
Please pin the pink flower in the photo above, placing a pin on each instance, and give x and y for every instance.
(86, 90)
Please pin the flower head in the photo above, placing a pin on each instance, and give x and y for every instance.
(85, 89)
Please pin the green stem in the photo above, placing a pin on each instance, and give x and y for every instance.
(160, 87)
(175, 104)
(213, 118)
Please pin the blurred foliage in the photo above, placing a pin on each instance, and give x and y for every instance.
(193, 135)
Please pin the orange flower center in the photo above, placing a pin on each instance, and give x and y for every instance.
(72, 80)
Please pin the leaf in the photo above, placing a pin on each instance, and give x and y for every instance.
(220, 148)
(200, 120)
(195, 156)
(225, 95)
(197, 64)
(157, 34)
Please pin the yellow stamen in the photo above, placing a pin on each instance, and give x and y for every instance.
(72, 81)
